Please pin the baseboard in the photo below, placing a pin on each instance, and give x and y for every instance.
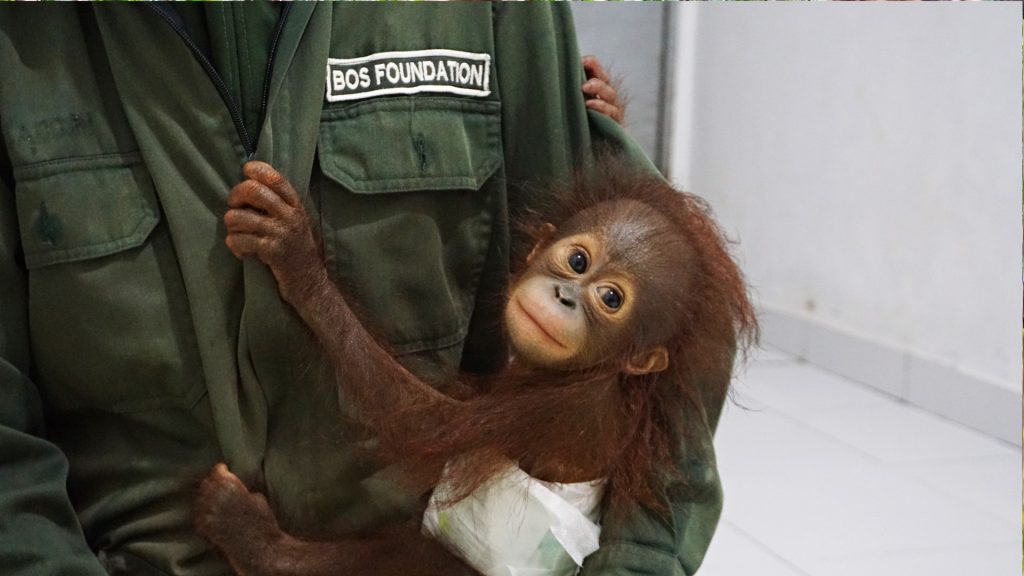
(929, 383)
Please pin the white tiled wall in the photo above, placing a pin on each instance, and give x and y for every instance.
(938, 387)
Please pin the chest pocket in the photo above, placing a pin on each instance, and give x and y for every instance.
(109, 320)
(407, 198)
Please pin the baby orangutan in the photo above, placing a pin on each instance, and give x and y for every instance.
(628, 297)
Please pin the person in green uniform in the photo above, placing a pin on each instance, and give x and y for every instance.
(136, 351)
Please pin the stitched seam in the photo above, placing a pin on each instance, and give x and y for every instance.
(407, 54)
(224, 21)
(28, 172)
(486, 107)
(244, 47)
(487, 165)
(96, 250)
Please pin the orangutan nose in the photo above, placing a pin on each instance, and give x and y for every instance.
(564, 298)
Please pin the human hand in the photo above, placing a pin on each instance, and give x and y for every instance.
(266, 219)
(600, 91)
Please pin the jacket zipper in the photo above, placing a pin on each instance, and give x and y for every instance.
(270, 66)
(248, 143)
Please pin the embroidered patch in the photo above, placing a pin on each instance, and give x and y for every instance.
(408, 72)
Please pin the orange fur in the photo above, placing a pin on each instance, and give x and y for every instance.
(559, 425)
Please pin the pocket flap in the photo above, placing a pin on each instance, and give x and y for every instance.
(411, 143)
(84, 208)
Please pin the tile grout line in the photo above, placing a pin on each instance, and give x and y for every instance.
(980, 395)
(916, 550)
(898, 401)
(874, 458)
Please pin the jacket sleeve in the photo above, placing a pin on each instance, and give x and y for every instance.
(39, 532)
(547, 131)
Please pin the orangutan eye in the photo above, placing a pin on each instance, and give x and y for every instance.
(611, 298)
(578, 262)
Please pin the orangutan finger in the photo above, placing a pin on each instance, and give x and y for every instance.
(602, 90)
(253, 194)
(242, 221)
(605, 108)
(593, 68)
(244, 245)
(221, 472)
(268, 176)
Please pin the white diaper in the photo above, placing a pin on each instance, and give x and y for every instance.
(516, 525)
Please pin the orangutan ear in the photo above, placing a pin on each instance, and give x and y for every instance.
(655, 360)
(544, 235)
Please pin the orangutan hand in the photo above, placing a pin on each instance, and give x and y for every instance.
(239, 522)
(600, 91)
(266, 219)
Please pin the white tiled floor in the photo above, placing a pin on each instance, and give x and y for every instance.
(825, 477)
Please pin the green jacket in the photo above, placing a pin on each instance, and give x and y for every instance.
(150, 353)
